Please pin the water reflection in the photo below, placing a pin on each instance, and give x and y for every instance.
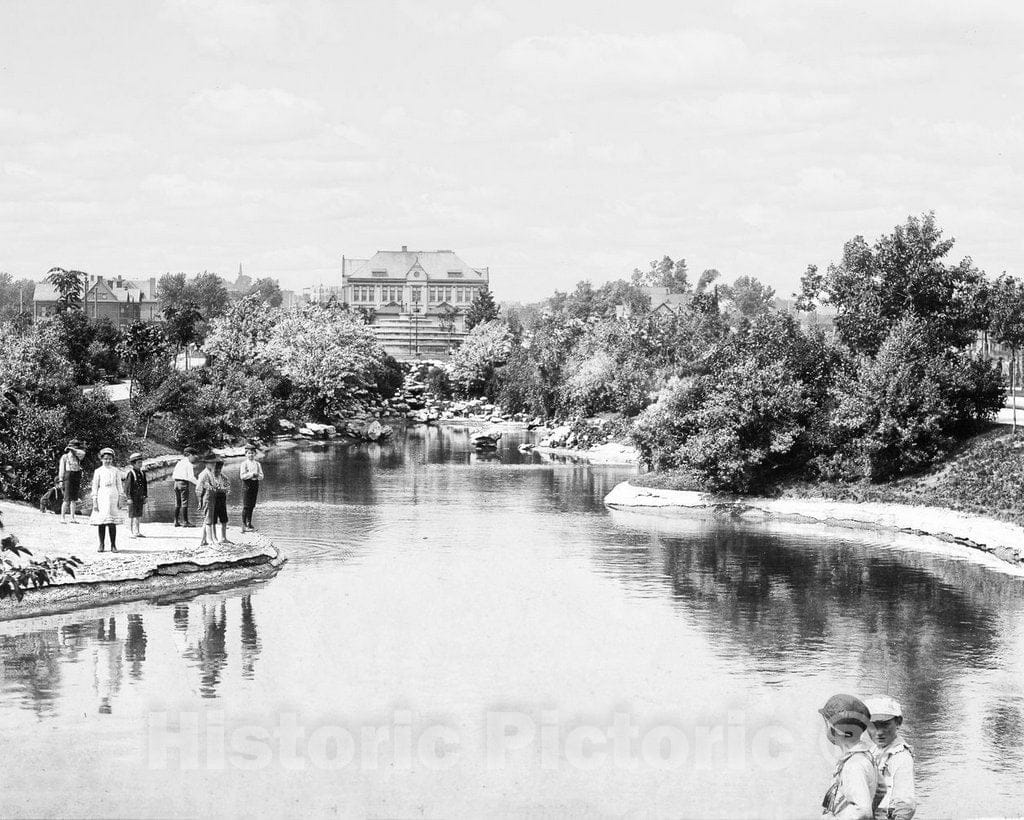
(39, 666)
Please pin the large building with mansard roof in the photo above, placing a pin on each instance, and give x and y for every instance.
(416, 300)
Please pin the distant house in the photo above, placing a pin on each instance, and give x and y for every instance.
(662, 302)
(120, 300)
(416, 301)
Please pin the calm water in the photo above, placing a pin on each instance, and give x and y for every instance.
(466, 635)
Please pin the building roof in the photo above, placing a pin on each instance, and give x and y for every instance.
(110, 290)
(397, 265)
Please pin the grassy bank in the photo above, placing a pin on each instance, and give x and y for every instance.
(985, 476)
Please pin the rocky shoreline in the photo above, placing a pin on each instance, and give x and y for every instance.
(168, 562)
(1000, 539)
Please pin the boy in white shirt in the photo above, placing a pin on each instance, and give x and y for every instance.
(251, 473)
(184, 477)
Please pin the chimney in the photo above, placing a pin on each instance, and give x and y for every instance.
(152, 287)
(119, 280)
(405, 248)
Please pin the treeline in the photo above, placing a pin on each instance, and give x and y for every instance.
(317, 363)
(732, 391)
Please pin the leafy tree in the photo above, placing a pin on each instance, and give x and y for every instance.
(664, 273)
(209, 294)
(138, 345)
(268, 290)
(19, 571)
(241, 337)
(472, 367)
(481, 309)
(1006, 324)
(903, 274)
(70, 285)
(707, 278)
(749, 296)
(15, 296)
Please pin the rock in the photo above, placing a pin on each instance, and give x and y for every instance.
(373, 431)
(497, 420)
(284, 424)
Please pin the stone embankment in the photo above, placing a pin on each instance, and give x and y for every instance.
(998, 538)
(167, 562)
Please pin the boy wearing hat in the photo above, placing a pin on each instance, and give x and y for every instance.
(69, 475)
(894, 760)
(136, 488)
(855, 779)
(212, 489)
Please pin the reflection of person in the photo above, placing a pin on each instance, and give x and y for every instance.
(894, 760)
(250, 639)
(135, 646)
(107, 664)
(107, 499)
(212, 489)
(184, 476)
(69, 476)
(854, 780)
(136, 488)
(251, 473)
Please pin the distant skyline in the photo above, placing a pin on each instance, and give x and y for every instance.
(550, 142)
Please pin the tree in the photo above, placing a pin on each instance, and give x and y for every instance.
(1006, 324)
(486, 348)
(902, 274)
(268, 290)
(664, 273)
(707, 278)
(139, 344)
(749, 296)
(70, 285)
(15, 296)
(481, 309)
(209, 294)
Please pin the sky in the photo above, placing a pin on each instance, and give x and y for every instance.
(549, 141)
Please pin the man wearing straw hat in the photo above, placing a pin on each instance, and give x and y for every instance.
(69, 476)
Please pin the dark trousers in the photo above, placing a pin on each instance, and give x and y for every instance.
(181, 490)
(250, 489)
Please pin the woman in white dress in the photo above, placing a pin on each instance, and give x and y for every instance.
(108, 499)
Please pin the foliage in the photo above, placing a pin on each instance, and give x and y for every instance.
(904, 407)
(664, 273)
(140, 345)
(481, 309)
(15, 296)
(190, 305)
(42, 406)
(267, 290)
(242, 336)
(472, 367)
(70, 285)
(749, 296)
(902, 274)
(19, 571)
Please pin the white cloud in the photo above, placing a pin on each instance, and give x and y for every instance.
(231, 26)
(480, 17)
(687, 57)
(252, 115)
(629, 153)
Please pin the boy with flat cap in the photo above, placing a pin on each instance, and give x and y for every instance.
(855, 779)
(894, 760)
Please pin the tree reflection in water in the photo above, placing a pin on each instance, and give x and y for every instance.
(789, 605)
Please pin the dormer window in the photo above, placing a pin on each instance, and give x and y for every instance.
(454, 274)
(380, 274)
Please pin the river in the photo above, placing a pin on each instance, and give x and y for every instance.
(458, 634)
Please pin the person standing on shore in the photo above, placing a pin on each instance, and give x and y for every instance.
(184, 476)
(855, 779)
(212, 489)
(251, 473)
(107, 499)
(69, 475)
(136, 488)
(894, 760)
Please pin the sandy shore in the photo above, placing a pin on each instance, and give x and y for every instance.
(167, 561)
(1003, 540)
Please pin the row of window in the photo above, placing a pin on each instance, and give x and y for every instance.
(393, 293)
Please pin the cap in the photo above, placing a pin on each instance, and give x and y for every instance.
(190, 451)
(846, 709)
(134, 457)
(213, 458)
(74, 444)
(107, 451)
(884, 707)
(251, 448)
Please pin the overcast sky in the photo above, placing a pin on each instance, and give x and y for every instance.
(552, 141)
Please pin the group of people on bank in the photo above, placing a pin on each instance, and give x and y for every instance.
(873, 778)
(119, 493)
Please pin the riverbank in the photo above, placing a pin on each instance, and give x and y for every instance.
(999, 538)
(168, 561)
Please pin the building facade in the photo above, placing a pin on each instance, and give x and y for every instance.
(120, 300)
(416, 301)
